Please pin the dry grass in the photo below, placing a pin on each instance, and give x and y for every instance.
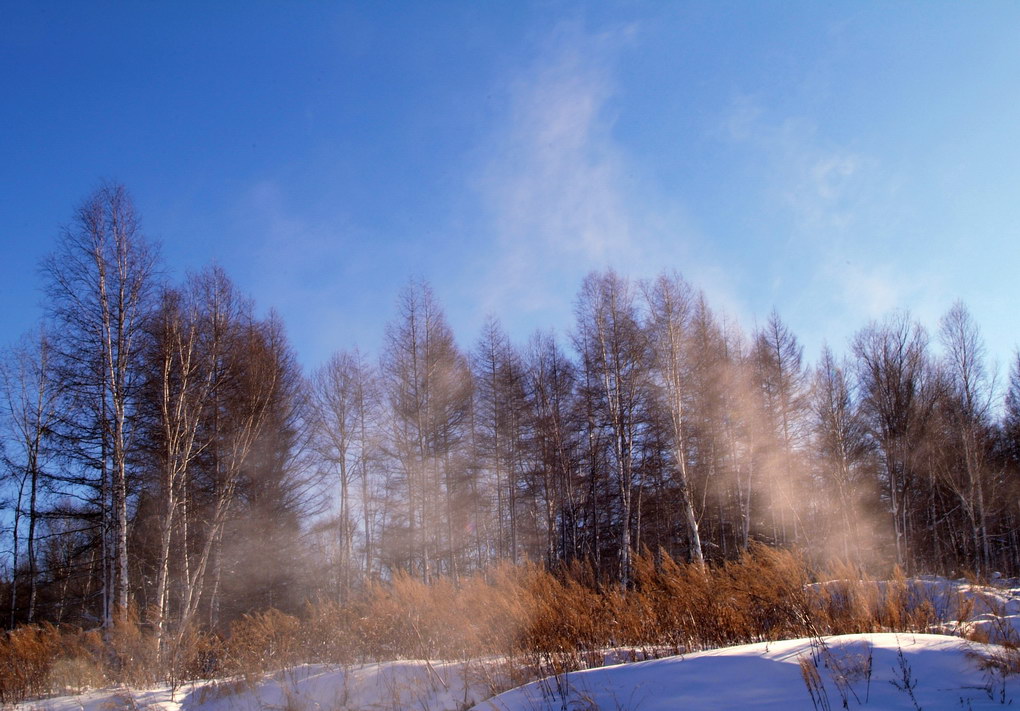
(512, 623)
(263, 642)
(27, 655)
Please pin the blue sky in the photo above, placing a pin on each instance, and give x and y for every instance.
(831, 160)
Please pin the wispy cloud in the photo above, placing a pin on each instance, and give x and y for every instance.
(292, 253)
(308, 268)
(561, 194)
(553, 180)
(824, 184)
(839, 265)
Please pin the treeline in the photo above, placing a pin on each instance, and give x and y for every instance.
(164, 456)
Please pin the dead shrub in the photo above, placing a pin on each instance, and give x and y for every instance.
(131, 652)
(331, 632)
(511, 622)
(262, 642)
(27, 655)
(190, 654)
(74, 675)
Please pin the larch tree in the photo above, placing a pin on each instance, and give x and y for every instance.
(1011, 416)
(489, 420)
(897, 397)
(501, 415)
(841, 448)
(616, 354)
(782, 386)
(261, 558)
(428, 388)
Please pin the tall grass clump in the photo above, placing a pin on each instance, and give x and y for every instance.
(506, 625)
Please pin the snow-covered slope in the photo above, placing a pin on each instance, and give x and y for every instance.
(389, 686)
(874, 671)
(993, 610)
(990, 611)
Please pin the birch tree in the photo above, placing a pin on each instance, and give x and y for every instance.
(100, 284)
(341, 397)
(968, 407)
(247, 374)
(183, 352)
(30, 397)
(616, 356)
(669, 314)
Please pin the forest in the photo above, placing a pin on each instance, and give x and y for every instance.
(165, 456)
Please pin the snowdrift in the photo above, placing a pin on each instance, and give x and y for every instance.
(870, 671)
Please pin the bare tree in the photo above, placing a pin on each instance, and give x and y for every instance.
(183, 352)
(489, 419)
(341, 394)
(1011, 416)
(551, 393)
(711, 434)
(428, 386)
(669, 301)
(260, 558)
(246, 380)
(782, 386)
(841, 448)
(100, 283)
(968, 408)
(1009, 457)
(615, 352)
(897, 396)
(501, 416)
(30, 396)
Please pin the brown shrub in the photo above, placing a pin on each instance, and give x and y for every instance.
(131, 652)
(512, 623)
(331, 632)
(27, 655)
(261, 642)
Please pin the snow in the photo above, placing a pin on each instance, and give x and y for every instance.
(869, 671)
(372, 687)
(391, 685)
(967, 609)
(942, 672)
(995, 608)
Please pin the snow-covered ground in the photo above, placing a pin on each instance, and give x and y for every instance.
(383, 687)
(872, 671)
(965, 608)
(994, 610)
